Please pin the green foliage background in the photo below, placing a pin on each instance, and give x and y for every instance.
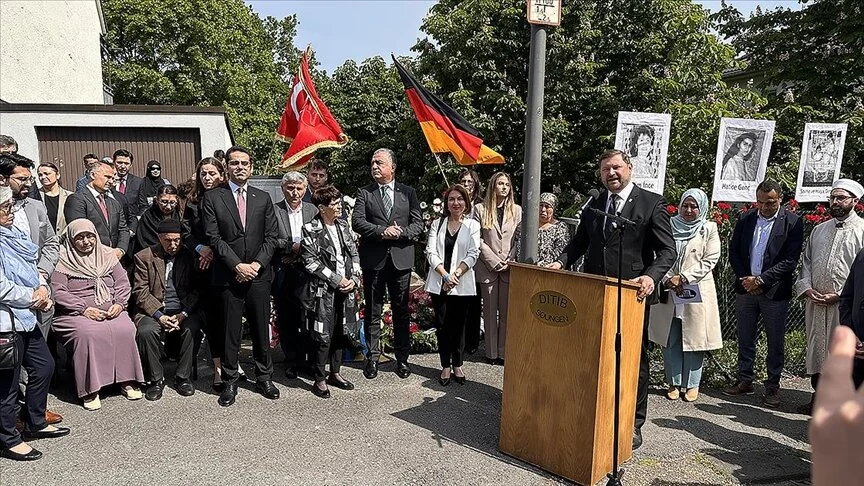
(639, 55)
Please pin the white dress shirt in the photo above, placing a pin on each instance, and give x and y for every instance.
(295, 219)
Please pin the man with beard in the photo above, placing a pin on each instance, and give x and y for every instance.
(648, 249)
(240, 223)
(764, 251)
(827, 260)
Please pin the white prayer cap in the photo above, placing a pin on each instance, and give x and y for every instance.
(849, 186)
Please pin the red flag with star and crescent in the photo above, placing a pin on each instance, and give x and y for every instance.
(306, 122)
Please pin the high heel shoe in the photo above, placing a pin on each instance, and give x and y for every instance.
(457, 378)
(444, 381)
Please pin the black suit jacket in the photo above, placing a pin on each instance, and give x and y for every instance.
(781, 256)
(852, 298)
(289, 276)
(230, 241)
(370, 222)
(114, 233)
(649, 248)
(133, 188)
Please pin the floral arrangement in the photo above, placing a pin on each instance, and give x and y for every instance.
(432, 212)
(422, 326)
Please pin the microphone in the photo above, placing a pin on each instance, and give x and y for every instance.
(592, 195)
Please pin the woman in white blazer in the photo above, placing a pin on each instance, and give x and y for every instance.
(452, 251)
(686, 331)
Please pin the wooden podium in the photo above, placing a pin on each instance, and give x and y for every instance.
(559, 376)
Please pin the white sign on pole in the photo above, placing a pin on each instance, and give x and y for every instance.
(821, 156)
(742, 157)
(544, 12)
(645, 138)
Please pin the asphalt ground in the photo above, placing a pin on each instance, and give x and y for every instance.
(392, 431)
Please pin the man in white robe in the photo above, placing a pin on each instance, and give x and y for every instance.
(827, 260)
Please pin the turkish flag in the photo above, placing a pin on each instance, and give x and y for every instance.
(306, 122)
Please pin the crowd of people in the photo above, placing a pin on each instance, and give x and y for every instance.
(126, 270)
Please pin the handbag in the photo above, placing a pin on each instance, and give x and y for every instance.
(10, 356)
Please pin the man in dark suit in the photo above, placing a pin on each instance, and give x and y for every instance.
(317, 175)
(240, 223)
(649, 249)
(127, 183)
(95, 203)
(291, 213)
(851, 315)
(166, 309)
(764, 251)
(387, 218)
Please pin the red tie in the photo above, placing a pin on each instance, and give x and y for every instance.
(123, 186)
(103, 207)
(241, 206)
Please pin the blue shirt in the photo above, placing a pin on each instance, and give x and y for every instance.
(760, 242)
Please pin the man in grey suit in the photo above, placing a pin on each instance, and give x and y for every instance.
(31, 217)
(95, 203)
(291, 214)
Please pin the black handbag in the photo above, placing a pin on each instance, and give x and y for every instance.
(10, 356)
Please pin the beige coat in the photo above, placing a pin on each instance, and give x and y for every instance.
(496, 245)
(61, 203)
(700, 322)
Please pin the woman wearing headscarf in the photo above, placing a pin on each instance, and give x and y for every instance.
(165, 206)
(22, 293)
(686, 331)
(92, 291)
(150, 185)
(554, 234)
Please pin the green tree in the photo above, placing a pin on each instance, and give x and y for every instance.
(808, 65)
(205, 53)
(642, 55)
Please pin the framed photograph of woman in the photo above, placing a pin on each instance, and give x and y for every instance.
(645, 138)
(743, 147)
(821, 157)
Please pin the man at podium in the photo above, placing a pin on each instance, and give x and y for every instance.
(649, 249)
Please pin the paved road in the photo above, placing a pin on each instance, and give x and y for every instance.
(391, 431)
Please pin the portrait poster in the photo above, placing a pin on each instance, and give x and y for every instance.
(743, 147)
(821, 157)
(645, 138)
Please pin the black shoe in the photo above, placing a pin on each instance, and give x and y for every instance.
(30, 456)
(267, 389)
(403, 370)
(444, 381)
(45, 434)
(490, 361)
(370, 371)
(342, 385)
(228, 395)
(291, 373)
(459, 379)
(219, 386)
(154, 391)
(499, 361)
(318, 392)
(184, 387)
(637, 439)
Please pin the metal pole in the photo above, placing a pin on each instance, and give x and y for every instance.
(533, 145)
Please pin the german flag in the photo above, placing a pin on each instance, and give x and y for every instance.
(445, 130)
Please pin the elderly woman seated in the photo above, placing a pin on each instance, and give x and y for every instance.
(91, 291)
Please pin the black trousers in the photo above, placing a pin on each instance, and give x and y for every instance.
(472, 322)
(293, 327)
(451, 313)
(253, 298)
(37, 360)
(644, 375)
(396, 283)
(214, 325)
(328, 338)
(149, 337)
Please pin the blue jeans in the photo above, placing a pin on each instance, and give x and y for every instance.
(679, 363)
(748, 309)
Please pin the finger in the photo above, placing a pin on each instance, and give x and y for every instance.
(835, 383)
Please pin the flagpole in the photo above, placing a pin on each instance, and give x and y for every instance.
(438, 159)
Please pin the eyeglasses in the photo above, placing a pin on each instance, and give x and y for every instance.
(6, 209)
(839, 198)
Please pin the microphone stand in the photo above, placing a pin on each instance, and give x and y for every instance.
(616, 474)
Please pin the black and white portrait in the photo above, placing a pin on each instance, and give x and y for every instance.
(743, 147)
(821, 156)
(645, 138)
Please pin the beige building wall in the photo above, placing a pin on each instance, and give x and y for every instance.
(50, 51)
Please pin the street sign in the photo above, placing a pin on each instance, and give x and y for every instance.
(544, 12)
